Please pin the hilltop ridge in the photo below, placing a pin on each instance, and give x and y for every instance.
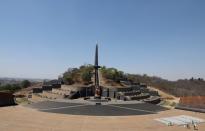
(115, 77)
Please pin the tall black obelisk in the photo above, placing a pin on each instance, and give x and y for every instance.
(96, 67)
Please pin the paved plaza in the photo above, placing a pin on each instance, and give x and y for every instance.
(90, 109)
(21, 118)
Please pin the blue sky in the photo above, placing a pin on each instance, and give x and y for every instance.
(42, 38)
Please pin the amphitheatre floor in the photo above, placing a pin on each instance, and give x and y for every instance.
(90, 109)
(21, 118)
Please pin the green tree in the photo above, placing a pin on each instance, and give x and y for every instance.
(25, 83)
(68, 76)
(10, 87)
(112, 73)
(86, 76)
(68, 80)
(86, 73)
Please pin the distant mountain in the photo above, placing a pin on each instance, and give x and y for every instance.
(7, 80)
(114, 77)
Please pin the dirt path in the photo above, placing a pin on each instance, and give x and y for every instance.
(168, 100)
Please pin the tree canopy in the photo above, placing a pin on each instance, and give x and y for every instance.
(25, 83)
(82, 74)
(15, 87)
(112, 73)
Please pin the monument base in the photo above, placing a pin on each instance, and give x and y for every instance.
(97, 97)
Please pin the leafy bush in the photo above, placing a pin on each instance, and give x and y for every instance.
(112, 74)
(10, 87)
(82, 74)
(25, 83)
(15, 87)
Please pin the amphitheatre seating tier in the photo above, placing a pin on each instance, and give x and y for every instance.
(70, 87)
(37, 90)
(153, 100)
(47, 87)
(50, 95)
(137, 97)
(131, 93)
(61, 91)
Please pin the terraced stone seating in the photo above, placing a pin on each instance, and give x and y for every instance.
(153, 93)
(125, 95)
(137, 97)
(61, 91)
(37, 90)
(123, 89)
(47, 87)
(131, 93)
(153, 100)
(70, 87)
(144, 90)
(50, 95)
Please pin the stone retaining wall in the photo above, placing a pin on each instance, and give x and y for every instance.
(6, 99)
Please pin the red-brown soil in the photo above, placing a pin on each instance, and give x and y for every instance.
(193, 101)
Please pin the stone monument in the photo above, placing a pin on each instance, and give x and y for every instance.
(98, 90)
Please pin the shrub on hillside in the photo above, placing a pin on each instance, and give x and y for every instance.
(25, 83)
(112, 74)
(82, 74)
(10, 87)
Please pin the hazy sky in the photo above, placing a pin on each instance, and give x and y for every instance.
(42, 38)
